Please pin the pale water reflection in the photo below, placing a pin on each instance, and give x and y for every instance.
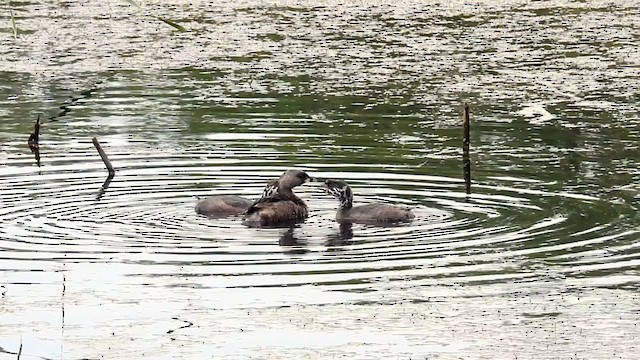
(540, 261)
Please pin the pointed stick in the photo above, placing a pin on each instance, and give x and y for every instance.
(465, 148)
(20, 349)
(34, 138)
(104, 157)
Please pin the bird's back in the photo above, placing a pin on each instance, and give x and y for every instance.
(375, 213)
(276, 210)
(223, 205)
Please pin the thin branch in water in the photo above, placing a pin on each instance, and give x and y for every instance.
(14, 27)
(104, 157)
(34, 140)
(169, 22)
(20, 349)
(68, 105)
(172, 23)
(34, 137)
(64, 289)
(187, 325)
(465, 148)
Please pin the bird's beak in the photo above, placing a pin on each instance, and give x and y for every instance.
(324, 187)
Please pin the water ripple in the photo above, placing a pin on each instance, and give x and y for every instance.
(368, 92)
(498, 233)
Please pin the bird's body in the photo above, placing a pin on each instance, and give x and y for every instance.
(367, 214)
(223, 205)
(231, 205)
(283, 207)
(374, 213)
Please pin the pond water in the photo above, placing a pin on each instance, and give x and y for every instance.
(541, 260)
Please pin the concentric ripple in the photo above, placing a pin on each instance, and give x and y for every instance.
(145, 217)
(540, 259)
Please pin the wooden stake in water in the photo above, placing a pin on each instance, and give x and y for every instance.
(20, 349)
(465, 148)
(104, 157)
(34, 140)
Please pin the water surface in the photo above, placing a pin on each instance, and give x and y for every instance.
(540, 261)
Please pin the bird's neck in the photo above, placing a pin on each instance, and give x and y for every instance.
(346, 202)
(287, 194)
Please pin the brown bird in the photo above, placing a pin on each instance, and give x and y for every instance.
(229, 205)
(281, 208)
(366, 214)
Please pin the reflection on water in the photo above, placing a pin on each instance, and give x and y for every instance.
(540, 259)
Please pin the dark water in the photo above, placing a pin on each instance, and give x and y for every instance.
(541, 260)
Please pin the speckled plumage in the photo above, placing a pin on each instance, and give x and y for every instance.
(282, 208)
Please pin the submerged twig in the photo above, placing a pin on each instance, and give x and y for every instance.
(187, 325)
(104, 157)
(68, 106)
(465, 148)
